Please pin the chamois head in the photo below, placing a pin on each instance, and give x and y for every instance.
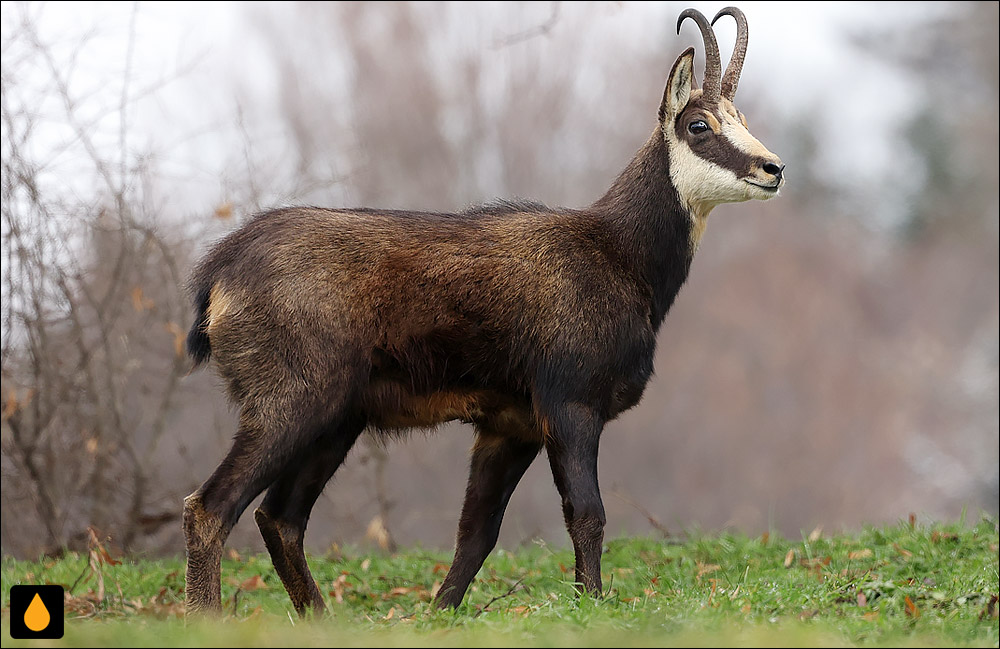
(713, 157)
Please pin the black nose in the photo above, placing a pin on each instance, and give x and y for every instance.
(773, 169)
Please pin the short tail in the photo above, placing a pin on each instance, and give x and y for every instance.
(198, 345)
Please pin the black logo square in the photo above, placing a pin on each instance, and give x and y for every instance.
(36, 612)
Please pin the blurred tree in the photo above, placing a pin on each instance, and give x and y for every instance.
(955, 131)
(92, 311)
(814, 370)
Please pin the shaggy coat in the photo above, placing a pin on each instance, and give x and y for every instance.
(536, 325)
(415, 318)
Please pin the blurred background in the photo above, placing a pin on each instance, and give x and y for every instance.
(832, 360)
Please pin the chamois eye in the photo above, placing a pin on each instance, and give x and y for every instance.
(698, 126)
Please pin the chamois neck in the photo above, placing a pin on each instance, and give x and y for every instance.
(653, 228)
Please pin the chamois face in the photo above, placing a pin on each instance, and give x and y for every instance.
(713, 157)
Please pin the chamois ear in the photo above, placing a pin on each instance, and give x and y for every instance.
(679, 86)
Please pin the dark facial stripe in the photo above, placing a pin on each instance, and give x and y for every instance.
(712, 145)
(717, 149)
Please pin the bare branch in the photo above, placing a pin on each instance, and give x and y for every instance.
(538, 30)
(657, 525)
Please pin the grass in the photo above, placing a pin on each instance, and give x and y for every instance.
(903, 585)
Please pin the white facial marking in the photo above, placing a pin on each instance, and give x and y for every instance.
(702, 185)
(734, 131)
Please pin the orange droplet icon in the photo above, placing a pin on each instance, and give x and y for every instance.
(37, 616)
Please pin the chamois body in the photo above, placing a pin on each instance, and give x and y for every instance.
(432, 317)
(536, 325)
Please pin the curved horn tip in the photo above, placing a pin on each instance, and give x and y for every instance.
(693, 14)
(713, 66)
(735, 12)
(732, 76)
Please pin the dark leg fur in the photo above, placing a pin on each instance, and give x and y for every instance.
(283, 515)
(497, 466)
(256, 459)
(572, 447)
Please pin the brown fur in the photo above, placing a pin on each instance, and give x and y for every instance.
(205, 535)
(284, 544)
(536, 325)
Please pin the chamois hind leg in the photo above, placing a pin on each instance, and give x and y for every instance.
(497, 465)
(283, 515)
(261, 451)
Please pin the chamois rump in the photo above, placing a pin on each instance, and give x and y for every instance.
(537, 325)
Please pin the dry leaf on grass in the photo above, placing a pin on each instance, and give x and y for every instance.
(340, 584)
(98, 550)
(253, 583)
(398, 591)
(379, 534)
(84, 606)
(989, 611)
(706, 568)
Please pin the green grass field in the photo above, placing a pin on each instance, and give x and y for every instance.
(904, 585)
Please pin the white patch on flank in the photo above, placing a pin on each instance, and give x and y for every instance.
(219, 304)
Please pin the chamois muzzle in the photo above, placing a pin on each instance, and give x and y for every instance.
(768, 175)
(773, 169)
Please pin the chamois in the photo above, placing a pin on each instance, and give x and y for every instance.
(536, 325)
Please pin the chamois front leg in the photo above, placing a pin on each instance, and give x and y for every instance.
(572, 445)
